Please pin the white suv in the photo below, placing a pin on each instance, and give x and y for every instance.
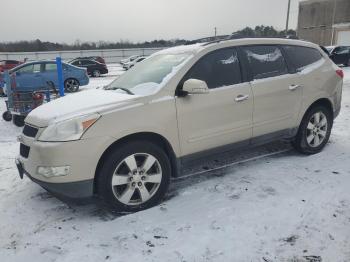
(124, 142)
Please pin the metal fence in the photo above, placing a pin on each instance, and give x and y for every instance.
(110, 55)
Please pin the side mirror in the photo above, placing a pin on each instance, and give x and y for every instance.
(195, 86)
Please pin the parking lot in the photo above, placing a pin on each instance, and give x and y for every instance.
(270, 205)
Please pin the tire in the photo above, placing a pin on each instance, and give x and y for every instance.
(125, 195)
(313, 133)
(96, 73)
(7, 116)
(18, 120)
(71, 85)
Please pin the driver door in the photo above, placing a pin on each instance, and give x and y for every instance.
(221, 117)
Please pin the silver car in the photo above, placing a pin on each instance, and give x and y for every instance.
(123, 143)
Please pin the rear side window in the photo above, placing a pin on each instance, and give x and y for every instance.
(301, 56)
(51, 67)
(219, 68)
(265, 61)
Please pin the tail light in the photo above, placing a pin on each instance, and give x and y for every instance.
(340, 73)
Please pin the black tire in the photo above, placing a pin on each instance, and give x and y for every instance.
(300, 142)
(96, 73)
(18, 120)
(71, 85)
(115, 159)
(7, 116)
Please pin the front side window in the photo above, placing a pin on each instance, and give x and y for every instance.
(87, 62)
(26, 69)
(219, 68)
(301, 56)
(265, 61)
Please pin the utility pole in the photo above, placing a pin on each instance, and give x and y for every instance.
(333, 20)
(287, 22)
(215, 31)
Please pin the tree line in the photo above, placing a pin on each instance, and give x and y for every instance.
(38, 45)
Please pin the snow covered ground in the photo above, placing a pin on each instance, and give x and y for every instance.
(270, 204)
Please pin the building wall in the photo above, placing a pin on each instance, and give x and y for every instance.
(316, 17)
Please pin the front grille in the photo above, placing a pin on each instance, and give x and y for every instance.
(30, 131)
(24, 150)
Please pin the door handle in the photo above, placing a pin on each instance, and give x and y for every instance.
(241, 98)
(293, 87)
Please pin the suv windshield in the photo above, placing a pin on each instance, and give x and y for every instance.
(150, 75)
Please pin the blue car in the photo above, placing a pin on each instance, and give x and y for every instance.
(36, 75)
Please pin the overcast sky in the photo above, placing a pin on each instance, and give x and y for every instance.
(136, 20)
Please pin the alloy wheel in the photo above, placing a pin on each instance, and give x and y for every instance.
(316, 130)
(72, 85)
(96, 73)
(136, 179)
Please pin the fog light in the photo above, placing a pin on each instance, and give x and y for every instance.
(53, 171)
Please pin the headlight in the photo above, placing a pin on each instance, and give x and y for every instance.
(68, 130)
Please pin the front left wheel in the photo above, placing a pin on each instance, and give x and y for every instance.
(7, 116)
(135, 176)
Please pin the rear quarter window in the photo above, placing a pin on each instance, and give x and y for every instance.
(301, 56)
(265, 61)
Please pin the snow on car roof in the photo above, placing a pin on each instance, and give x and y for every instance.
(195, 48)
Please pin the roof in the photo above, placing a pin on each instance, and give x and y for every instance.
(195, 48)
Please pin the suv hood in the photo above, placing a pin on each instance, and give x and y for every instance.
(86, 102)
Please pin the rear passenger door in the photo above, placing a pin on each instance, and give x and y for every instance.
(277, 91)
(50, 73)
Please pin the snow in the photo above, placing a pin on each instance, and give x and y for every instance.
(268, 204)
(265, 58)
(195, 48)
(91, 101)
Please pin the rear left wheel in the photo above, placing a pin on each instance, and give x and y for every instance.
(71, 85)
(134, 177)
(314, 130)
(96, 73)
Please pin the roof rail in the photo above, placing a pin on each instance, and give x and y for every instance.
(239, 36)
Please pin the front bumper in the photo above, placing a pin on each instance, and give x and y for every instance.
(73, 190)
(81, 156)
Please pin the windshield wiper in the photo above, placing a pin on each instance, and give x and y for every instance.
(121, 88)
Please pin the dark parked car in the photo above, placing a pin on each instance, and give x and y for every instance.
(8, 64)
(96, 58)
(93, 67)
(340, 55)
